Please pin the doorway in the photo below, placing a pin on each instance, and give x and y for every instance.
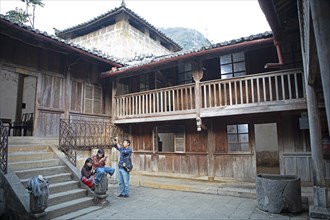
(18, 92)
(267, 155)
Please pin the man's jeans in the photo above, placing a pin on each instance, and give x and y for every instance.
(100, 173)
(123, 178)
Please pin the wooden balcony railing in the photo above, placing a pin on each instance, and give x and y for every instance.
(271, 87)
(267, 87)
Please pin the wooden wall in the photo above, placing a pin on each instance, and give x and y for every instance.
(55, 67)
(242, 166)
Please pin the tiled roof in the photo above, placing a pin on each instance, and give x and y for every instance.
(70, 44)
(116, 10)
(141, 61)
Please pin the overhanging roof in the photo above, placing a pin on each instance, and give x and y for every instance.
(38, 38)
(257, 40)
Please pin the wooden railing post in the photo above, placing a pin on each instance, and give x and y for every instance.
(197, 76)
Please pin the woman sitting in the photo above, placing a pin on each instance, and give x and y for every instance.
(87, 173)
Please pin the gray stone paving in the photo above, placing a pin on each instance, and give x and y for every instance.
(150, 203)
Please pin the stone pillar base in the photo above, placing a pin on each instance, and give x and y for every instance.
(319, 212)
(39, 216)
(101, 199)
(100, 192)
(320, 209)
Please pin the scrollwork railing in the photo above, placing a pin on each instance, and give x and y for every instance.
(3, 148)
(84, 135)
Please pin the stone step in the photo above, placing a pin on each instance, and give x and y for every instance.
(30, 156)
(63, 186)
(66, 196)
(61, 177)
(78, 213)
(68, 207)
(26, 165)
(32, 140)
(27, 147)
(45, 171)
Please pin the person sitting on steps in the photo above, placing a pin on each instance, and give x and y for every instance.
(99, 166)
(87, 173)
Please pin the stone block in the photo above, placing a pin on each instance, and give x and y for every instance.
(278, 193)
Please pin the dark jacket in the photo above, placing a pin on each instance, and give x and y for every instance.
(87, 172)
(125, 156)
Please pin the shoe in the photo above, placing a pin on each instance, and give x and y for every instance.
(125, 196)
(93, 187)
(120, 195)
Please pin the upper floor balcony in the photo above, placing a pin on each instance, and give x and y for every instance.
(267, 92)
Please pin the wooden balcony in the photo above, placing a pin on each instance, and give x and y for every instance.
(267, 92)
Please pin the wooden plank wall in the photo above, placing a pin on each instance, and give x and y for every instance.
(229, 165)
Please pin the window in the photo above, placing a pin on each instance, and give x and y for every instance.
(86, 98)
(232, 65)
(238, 138)
(93, 99)
(184, 73)
(170, 139)
(144, 82)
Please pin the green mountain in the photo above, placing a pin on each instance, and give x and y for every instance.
(187, 38)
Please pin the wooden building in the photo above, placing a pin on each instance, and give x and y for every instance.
(121, 33)
(226, 111)
(48, 79)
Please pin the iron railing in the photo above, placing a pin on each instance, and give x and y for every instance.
(84, 135)
(3, 148)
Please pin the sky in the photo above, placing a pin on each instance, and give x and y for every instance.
(217, 20)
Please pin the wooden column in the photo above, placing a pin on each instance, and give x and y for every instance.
(310, 69)
(197, 76)
(19, 95)
(321, 22)
(67, 94)
(210, 152)
(307, 37)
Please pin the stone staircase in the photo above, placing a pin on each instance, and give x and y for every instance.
(68, 198)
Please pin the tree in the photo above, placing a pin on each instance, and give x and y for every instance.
(22, 16)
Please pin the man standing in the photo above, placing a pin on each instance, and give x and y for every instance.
(124, 166)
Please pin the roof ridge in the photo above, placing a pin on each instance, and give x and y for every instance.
(117, 9)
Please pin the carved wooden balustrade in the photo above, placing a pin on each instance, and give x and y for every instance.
(272, 88)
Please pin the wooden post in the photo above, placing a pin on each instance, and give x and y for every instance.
(321, 23)
(307, 37)
(210, 152)
(67, 93)
(307, 43)
(197, 76)
(19, 99)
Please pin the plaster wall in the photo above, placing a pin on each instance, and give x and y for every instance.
(121, 40)
(8, 93)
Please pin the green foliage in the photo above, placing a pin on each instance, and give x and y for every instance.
(187, 38)
(22, 16)
(18, 15)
